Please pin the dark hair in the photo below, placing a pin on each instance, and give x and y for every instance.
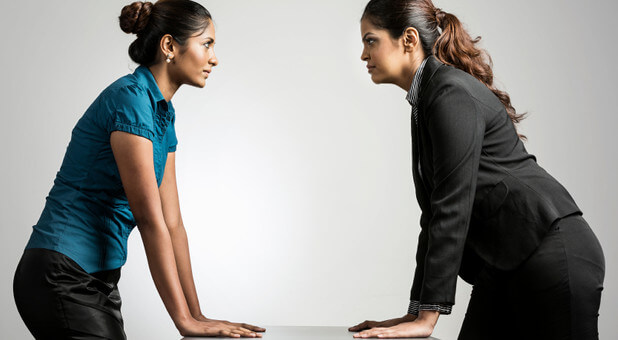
(179, 18)
(452, 45)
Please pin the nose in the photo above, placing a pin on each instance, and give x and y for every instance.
(213, 60)
(364, 55)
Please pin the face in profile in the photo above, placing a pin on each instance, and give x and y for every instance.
(385, 56)
(195, 60)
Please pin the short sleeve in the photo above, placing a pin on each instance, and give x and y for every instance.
(132, 112)
(170, 136)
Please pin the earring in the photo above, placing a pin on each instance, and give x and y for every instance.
(169, 58)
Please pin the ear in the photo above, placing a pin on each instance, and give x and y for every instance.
(410, 39)
(166, 44)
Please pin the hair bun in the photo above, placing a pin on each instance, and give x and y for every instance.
(439, 14)
(134, 17)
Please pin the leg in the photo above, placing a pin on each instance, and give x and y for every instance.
(37, 305)
(557, 291)
(540, 291)
(586, 274)
(488, 314)
(58, 300)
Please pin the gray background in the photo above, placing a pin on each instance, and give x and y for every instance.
(293, 167)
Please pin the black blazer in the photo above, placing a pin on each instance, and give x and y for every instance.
(484, 199)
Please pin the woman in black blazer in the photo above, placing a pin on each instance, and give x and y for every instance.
(490, 213)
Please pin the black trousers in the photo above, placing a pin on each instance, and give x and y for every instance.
(555, 294)
(57, 299)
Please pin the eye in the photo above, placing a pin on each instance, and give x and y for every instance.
(370, 41)
(207, 44)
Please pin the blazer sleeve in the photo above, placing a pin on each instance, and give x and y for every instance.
(455, 130)
(421, 251)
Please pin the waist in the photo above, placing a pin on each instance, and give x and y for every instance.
(57, 263)
(94, 247)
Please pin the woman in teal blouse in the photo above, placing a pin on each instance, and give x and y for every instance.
(118, 172)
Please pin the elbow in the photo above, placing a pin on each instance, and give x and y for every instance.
(176, 229)
(173, 224)
(146, 222)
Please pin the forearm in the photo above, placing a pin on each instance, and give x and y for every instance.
(185, 272)
(160, 255)
(170, 204)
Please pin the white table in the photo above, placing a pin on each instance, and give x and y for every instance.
(305, 333)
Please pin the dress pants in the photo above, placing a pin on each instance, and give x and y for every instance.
(57, 299)
(555, 294)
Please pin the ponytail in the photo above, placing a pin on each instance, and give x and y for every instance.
(455, 47)
(441, 35)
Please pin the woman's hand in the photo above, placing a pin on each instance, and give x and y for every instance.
(243, 325)
(367, 324)
(216, 328)
(420, 327)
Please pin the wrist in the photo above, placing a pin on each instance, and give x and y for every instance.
(409, 318)
(184, 322)
(197, 314)
(428, 318)
(202, 318)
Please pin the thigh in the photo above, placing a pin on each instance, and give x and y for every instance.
(58, 300)
(38, 306)
(540, 291)
(488, 315)
(586, 269)
(90, 321)
(556, 292)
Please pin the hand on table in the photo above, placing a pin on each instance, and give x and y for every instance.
(408, 326)
(203, 326)
(367, 324)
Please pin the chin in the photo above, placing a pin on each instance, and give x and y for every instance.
(199, 83)
(384, 79)
(376, 79)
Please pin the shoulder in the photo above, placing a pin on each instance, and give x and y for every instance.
(446, 77)
(128, 93)
(442, 84)
(126, 105)
(448, 82)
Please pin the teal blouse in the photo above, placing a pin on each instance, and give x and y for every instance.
(87, 215)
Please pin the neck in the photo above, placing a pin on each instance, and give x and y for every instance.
(405, 81)
(166, 85)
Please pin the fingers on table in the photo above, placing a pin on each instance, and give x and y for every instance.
(246, 333)
(227, 333)
(372, 333)
(237, 332)
(363, 325)
(252, 327)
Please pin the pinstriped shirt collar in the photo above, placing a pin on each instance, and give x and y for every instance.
(412, 96)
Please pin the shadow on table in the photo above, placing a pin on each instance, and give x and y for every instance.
(317, 338)
(305, 333)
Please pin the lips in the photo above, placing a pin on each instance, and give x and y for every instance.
(370, 68)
